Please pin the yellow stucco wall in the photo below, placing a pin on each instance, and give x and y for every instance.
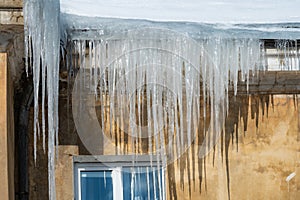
(266, 155)
(6, 132)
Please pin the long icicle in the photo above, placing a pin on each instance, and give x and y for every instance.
(42, 31)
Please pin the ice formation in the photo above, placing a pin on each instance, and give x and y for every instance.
(157, 79)
(42, 40)
(167, 71)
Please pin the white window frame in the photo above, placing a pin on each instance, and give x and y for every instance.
(112, 163)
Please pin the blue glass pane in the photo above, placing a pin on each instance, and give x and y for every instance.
(136, 183)
(96, 185)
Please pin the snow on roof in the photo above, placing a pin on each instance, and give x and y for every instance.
(203, 11)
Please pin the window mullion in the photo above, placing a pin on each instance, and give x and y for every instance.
(79, 183)
(117, 183)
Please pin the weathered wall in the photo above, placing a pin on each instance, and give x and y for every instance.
(7, 143)
(11, 133)
(4, 189)
(13, 35)
(11, 42)
(11, 12)
(11, 3)
(267, 153)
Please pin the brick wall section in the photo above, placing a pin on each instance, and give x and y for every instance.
(10, 12)
(11, 3)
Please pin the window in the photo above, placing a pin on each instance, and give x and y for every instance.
(117, 178)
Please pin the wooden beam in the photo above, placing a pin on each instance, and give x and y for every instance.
(265, 82)
(12, 4)
(271, 82)
(271, 43)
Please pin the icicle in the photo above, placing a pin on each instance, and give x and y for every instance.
(41, 19)
(148, 182)
(149, 115)
(90, 59)
(132, 184)
(104, 177)
(133, 67)
(154, 182)
(43, 106)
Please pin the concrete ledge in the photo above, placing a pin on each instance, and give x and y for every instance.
(114, 159)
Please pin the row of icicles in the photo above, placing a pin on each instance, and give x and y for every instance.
(167, 82)
(169, 99)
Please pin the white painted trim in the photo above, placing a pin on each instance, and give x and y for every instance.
(116, 173)
(117, 186)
